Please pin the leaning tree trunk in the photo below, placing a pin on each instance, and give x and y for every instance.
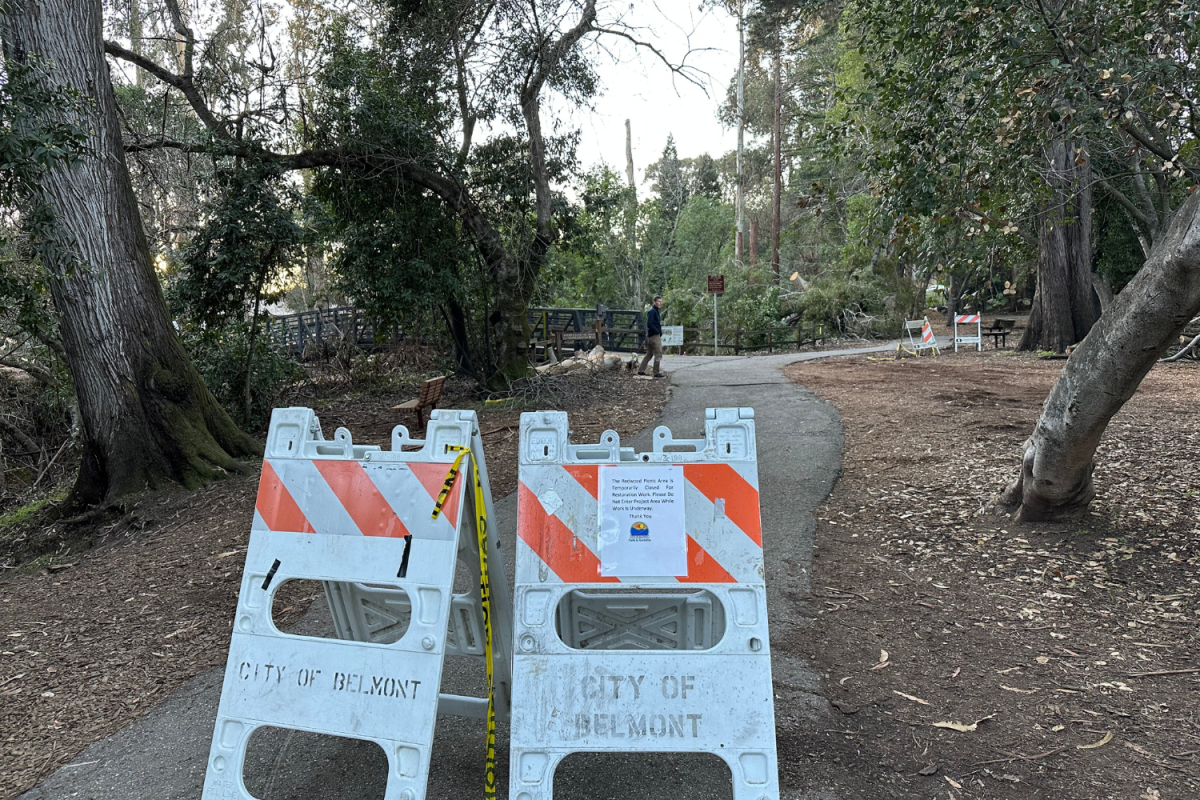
(147, 418)
(1063, 309)
(1055, 482)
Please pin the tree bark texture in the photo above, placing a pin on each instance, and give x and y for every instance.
(1064, 309)
(147, 417)
(1055, 482)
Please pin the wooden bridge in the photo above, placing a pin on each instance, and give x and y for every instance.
(295, 332)
(616, 331)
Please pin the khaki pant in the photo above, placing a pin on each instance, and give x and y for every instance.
(653, 350)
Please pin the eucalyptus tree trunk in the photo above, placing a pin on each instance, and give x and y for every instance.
(1055, 482)
(1063, 307)
(147, 418)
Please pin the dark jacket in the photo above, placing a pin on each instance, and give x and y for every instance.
(653, 322)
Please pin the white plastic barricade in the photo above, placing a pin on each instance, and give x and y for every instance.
(920, 336)
(964, 338)
(640, 608)
(363, 521)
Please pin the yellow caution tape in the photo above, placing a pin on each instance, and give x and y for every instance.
(489, 784)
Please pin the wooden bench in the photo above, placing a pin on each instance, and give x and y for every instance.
(427, 400)
(999, 331)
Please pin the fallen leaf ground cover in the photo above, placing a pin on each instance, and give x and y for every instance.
(126, 610)
(966, 655)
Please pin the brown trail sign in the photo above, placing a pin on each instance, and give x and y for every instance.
(716, 286)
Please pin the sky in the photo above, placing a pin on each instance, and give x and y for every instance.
(638, 87)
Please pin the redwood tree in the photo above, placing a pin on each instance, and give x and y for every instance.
(1064, 308)
(146, 416)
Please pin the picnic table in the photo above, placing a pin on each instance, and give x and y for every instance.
(999, 331)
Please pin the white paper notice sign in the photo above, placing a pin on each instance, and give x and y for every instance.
(642, 529)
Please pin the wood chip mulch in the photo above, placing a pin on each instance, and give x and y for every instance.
(965, 655)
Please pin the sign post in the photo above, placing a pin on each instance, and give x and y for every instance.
(716, 286)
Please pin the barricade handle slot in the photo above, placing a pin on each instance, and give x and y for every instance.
(403, 573)
(270, 574)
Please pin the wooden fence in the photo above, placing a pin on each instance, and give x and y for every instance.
(699, 341)
(696, 341)
(562, 329)
(615, 330)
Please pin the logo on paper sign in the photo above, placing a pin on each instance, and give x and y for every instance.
(640, 530)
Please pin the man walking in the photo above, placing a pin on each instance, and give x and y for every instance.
(653, 339)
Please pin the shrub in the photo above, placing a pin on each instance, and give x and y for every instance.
(220, 356)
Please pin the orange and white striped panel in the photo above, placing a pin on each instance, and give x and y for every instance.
(558, 524)
(349, 497)
(966, 319)
(927, 333)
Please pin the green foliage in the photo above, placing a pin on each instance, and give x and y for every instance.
(956, 123)
(864, 294)
(231, 268)
(245, 242)
(597, 261)
(1118, 252)
(400, 252)
(221, 355)
(40, 130)
(669, 181)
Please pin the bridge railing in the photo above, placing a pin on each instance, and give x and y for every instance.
(616, 330)
(295, 332)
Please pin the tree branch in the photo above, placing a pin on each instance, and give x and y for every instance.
(1157, 149)
(1130, 206)
(39, 373)
(547, 62)
(20, 436)
(189, 39)
(681, 69)
(183, 83)
(972, 215)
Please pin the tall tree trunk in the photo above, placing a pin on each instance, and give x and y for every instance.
(631, 209)
(1055, 482)
(147, 418)
(135, 36)
(1063, 307)
(252, 339)
(512, 295)
(776, 216)
(456, 322)
(740, 197)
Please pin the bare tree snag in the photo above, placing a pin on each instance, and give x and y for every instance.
(1055, 482)
(147, 417)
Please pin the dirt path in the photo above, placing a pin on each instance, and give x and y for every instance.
(1038, 641)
